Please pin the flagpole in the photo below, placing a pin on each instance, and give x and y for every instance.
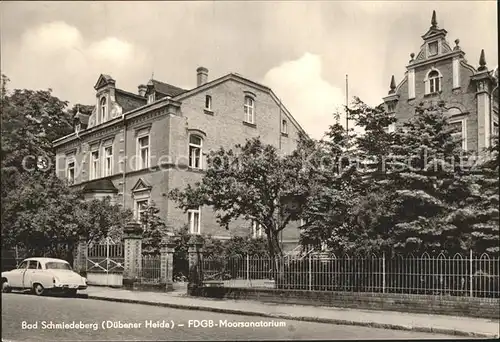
(347, 104)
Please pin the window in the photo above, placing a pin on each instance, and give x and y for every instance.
(103, 109)
(433, 81)
(143, 152)
(284, 127)
(151, 98)
(140, 207)
(208, 102)
(494, 131)
(108, 161)
(195, 143)
(94, 165)
(257, 231)
(459, 132)
(249, 110)
(58, 266)
(32, 264)
(194, 221)
(433, 48)
(23, 265)
(70, 171)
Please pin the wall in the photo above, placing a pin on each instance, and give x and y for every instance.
(463, 97)
(442, 305)
(223, 127)
(169, 137)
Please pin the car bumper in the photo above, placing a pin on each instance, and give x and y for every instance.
(65, 287)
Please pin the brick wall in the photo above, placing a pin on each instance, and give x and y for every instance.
(442, 305)
(463, 98)
(169, 151)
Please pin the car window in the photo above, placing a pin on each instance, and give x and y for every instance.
(23, 265)
(57, 266)
(32, 264)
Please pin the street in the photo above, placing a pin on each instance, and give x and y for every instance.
(137, 322)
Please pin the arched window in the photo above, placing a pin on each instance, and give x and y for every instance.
(433, 82)
(103, 105)
(195, 148)
(249, 107)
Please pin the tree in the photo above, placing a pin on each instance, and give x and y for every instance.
(40, 212)
(253, 182)
(45, 216)
(373, 209)
(155, 229)
(428, 173)
(31, 121)
(479, 218)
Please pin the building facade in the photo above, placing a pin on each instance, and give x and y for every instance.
(136, 147)
(441, 73)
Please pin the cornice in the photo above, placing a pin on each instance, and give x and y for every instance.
(434, 59)
(152, 110)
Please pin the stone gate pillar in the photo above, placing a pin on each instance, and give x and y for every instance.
(167, 262)
(80, 260)
(133, 250)
(195, 264)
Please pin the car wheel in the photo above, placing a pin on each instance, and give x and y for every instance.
(38, 289)
(5, 287)
(71, 293)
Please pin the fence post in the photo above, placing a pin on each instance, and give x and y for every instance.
(195, 264)
(133, 250)
(383, 272)
(470, 274)
(248, 267)
(167, 249)
(80, 262)
(310, 272)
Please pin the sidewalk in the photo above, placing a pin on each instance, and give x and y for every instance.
(451, 325)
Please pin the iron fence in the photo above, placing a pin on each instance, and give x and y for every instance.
(105, 258)
(150, 272)
(457, 275)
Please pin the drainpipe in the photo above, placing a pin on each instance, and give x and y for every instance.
(125, 159)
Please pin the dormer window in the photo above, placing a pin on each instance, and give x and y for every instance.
(103, 107)
(433, 48)
(433, 82)
(78, 127)
(151, 98)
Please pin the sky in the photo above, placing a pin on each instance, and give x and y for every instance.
(301, 49)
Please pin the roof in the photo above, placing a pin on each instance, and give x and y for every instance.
(238, 77)
(83, 118)
(45, 260)
(167, 89)
(100, 185)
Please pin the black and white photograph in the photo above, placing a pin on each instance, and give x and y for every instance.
(249, 170)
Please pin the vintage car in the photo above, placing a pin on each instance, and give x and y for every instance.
(43, 274)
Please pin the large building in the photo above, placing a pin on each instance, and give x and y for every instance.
(440, 72)
(136, 147)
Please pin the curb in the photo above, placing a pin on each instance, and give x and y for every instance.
(443, 331)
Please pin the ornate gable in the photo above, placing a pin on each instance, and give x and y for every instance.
(103, 81)
(141, 185)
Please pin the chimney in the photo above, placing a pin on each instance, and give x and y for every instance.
(142, 90)
(201, 76)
